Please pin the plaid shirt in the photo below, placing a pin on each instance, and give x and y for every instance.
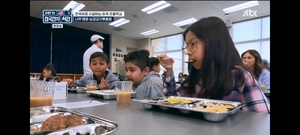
(170, 85)
(249, 93)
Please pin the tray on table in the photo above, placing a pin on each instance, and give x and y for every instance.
(106, 94)
(91, 124)
(212, 110)
(77, 89)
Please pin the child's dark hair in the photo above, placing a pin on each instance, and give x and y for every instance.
(258, 62)
(101, 55)
(153, 62)
(140, 58)
(50, 66)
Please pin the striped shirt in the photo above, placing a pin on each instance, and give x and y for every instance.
(249, 93)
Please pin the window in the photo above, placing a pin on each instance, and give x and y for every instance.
(170, 43)
(162, 69)
(171, 46)
(262, 47)
(186, 59)
(265, 50)
(245, 31)
(177, 66)
(253, 34)
(244, 47)
(266, 27)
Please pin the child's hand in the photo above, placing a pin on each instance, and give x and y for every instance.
(104, 85)
(69, 81)
(166, 61)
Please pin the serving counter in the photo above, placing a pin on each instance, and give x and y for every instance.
(135, 120)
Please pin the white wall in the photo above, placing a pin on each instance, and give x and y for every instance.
(145, 44)
(120, 43)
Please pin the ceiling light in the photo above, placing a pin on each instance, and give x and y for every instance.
(149, 32)
(185, 22)
(241, 6)
(119, 22)
(74, 6)
(156, 7)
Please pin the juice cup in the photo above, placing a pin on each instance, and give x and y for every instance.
(41, 93)
(91, 85)
(123, 92)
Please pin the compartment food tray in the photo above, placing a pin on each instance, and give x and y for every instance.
(77, 89)
(187, 108)
(106, 94)
(92, 124)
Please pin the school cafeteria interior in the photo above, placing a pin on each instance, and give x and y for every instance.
(156, 26)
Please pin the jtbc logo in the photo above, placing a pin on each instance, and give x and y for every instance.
(250, 13)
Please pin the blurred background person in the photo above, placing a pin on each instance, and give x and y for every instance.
(266, 64)
(180, 77)
(97, 46)
(252, 59)
(154, 63)
(49, 73)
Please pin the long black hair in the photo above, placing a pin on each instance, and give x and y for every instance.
(153, 62)
(220, 58)
(51, 67)
(257, 63)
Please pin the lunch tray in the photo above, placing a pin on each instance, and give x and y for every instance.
(92, 124)
(187, 108)
(106, 94)
(77, 89)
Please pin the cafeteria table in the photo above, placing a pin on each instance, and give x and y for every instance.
(135, 120)
(267, 93)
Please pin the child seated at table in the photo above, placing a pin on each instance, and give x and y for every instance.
(99, 64)
(49, 73)
(217, 70)
(154, 64)
(146, 83)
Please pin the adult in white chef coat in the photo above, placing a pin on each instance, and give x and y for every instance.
(97, 46)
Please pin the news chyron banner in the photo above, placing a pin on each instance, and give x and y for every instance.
(97, 16)
(59, 17)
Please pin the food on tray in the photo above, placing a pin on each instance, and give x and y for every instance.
(34, 129)
(178, 100)
(84, 134)
(229, 106)
(78, 133)
(214, 107)
(211, 108)
(210, 104)
(53, 123)
(154, 99)
(74, 120)
(169, 104)
(58, 122)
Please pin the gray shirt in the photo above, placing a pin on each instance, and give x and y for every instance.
(110, 77)
(150, 87)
